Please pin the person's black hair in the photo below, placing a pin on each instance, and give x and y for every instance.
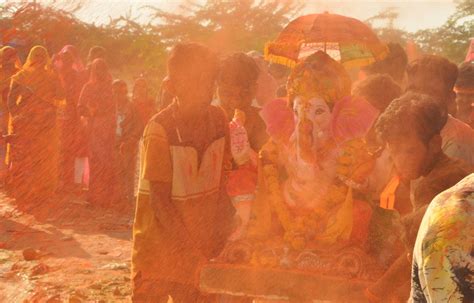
(191, 61)
(411, 113)
(466, 76)
(239, 69)
(282, 92)
(393, 65)
(423, 71)
(378, 90)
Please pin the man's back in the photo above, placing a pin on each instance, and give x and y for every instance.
(443, 266)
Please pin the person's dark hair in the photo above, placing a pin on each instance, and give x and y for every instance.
(423, 71)
(278, 71)
(379, 90)
(412, 112)
(466, 76)
(282, 92)
(393, 65)
(239, 69)
(191, 61)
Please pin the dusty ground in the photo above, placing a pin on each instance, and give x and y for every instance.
(64, 251)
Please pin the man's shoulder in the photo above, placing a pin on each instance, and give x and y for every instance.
(456, 127)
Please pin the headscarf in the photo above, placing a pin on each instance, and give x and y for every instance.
(95, 52)
(77, 64)
(9, 54)
(97, 94)
(38, 57)
(319, 76)
(100, 72)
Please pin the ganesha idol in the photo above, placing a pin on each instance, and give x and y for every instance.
(308, 176)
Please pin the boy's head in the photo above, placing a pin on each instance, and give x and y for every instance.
(120, 88)
(393, 65)
(465, 91)
(192, 71)
(378, 90)
(237, 82)
(434, 76)
(411, 126)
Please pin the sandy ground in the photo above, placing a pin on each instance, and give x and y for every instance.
(65, 250)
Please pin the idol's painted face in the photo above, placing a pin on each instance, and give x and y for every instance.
(312, 119)
(314, 116)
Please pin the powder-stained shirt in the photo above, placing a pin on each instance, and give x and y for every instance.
(443, 265)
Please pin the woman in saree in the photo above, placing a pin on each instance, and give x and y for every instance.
(35, 96)
(72, 138)
(97, 109)
(9, 66)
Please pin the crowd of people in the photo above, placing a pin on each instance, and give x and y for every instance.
(69, 126)
(241, 149)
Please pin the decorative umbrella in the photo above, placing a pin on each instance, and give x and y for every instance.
(345, 39)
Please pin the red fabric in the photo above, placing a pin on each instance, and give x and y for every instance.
(323, 28)
(242, 181)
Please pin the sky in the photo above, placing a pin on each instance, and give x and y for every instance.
(413, 15)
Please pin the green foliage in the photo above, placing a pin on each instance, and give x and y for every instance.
(239, 25)
(452, 39)
(135, 48)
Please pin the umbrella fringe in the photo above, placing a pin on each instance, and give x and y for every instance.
(278, 59)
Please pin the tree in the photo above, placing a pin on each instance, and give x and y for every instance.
(452, 39)
(388, 32)
(239, 25)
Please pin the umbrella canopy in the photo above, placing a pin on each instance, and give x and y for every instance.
(345, 39)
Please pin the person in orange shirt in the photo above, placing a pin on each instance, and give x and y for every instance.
(183, 215)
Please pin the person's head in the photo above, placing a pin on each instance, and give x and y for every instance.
(465, 91)
(378, 90)
(393, 65)
(96, 52)
(192, 71)
(314, 86)
(435, 76)
(38, 58)
(8, 57)
(237, 82)
(120, 89)
(410, 127)
(140, 89)
(282, 92)
(99, 71)
(279, 72)
(67, 59)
